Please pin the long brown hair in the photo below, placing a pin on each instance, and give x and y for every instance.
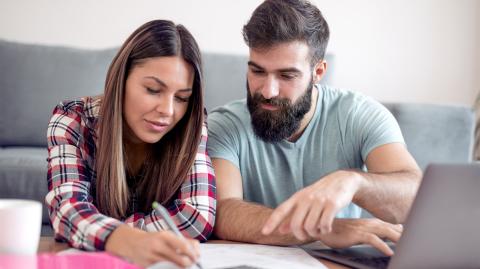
(169, 160)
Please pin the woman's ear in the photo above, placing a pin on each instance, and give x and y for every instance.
(319, 70)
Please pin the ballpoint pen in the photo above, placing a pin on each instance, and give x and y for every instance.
(171, 225)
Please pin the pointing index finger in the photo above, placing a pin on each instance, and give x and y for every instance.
(277, 216)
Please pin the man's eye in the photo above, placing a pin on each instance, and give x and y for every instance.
(257, 71)
(288, 76)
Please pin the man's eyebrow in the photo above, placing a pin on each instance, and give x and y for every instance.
(282, 70)
(289, 70)
(250, 63)
(163, 84)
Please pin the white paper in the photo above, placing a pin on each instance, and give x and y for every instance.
(217, 256)
(251, 256)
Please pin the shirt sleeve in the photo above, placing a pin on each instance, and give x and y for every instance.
(194, 209)
(373, 126)
(224, 138)
(73, 215)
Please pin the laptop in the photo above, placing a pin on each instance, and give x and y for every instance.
(442, 228)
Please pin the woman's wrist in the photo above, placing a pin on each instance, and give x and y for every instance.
(119, 241)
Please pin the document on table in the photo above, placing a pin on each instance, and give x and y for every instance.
(250, 256)
(246, 256)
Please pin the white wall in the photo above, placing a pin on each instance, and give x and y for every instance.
(424, 51)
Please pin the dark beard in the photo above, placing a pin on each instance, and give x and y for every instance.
(274, 126)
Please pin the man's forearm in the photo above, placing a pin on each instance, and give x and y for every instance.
(388, 196)
(242, 221)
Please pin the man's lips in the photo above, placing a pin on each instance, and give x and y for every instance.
(268, 106)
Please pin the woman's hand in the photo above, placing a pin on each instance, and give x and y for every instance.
(144, 248)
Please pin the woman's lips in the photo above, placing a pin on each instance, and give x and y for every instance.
(157, 126)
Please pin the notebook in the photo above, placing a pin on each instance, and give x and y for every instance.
(85, 260)
(442, 229)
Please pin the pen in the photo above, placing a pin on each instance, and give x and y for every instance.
(171, 225)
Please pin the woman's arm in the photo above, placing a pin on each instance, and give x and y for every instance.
(72, 213)
(195, 207)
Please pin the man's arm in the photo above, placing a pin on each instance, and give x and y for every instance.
(388, 189)
(236, 219)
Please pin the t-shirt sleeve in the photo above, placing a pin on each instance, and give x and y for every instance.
(373, 126)
(223, 137)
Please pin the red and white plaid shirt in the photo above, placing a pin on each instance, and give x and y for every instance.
(71, 173)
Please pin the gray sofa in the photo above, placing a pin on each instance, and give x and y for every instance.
(34, 78)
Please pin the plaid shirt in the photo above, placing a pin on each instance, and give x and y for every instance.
(71, 176)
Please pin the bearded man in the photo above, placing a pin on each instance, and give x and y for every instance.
(297, 160)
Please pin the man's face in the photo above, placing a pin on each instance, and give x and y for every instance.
(279, 84)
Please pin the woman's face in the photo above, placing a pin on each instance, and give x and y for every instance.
(157, 94)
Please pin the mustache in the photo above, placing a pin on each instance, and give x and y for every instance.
(281, 102)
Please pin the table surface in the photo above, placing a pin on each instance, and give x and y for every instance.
(48, 244)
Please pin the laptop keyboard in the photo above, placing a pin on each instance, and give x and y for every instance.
(377, 262)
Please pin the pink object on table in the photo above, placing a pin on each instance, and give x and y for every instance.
(88, 260)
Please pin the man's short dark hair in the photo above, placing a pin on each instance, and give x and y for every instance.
(280, 21)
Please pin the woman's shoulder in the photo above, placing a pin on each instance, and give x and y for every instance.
(77, 113)
(88, 106)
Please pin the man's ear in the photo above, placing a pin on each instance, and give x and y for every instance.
(319, 70)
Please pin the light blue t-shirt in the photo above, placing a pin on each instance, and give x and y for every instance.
(345, 128)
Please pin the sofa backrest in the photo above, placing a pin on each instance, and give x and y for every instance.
(436, 133)
(34, 78)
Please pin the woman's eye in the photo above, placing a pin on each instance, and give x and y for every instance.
(183, 99)
(152, 91)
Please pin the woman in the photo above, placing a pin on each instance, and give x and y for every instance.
(143, 140)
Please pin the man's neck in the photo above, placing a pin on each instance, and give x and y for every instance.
(307, 118)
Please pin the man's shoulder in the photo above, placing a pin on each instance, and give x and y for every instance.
(343, 100)
(235, 111)
(332, 94)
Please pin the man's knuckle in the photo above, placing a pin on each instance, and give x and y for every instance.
(310, 226)
(370, 237)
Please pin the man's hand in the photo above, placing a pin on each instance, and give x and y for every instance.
(349, 232)
(310, 211)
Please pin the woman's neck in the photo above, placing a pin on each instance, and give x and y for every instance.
(136, 155)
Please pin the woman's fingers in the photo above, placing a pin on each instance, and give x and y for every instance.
(180, 245)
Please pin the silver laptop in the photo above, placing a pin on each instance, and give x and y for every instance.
(442, 229)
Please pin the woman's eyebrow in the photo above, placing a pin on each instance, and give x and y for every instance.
(159, 81)
(163, 84)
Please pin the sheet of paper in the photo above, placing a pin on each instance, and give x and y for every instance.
(249, 256)
(246, 256)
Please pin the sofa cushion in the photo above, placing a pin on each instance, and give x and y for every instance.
(34, 78)
(23, 174)
(436, 133)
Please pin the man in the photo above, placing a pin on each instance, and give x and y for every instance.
(299, 147)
